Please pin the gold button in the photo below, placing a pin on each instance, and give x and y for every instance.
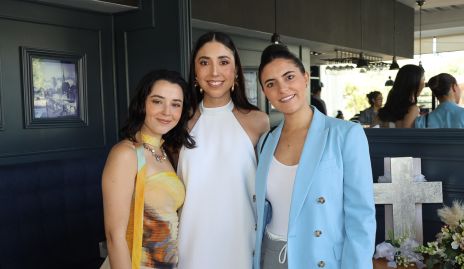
(254, 198)
(321, 200)
(317, 233)
(321, 264)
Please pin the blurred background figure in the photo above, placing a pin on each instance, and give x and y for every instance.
(448, 114)
(339, 115)
(367, 116)
(401, 110)
(316, 100)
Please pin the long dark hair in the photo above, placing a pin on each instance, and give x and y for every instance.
(407, 83)
(238, 95)
(177, 136)
(441, 84)
(277, 51)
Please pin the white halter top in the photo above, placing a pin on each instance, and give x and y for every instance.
(217, 224)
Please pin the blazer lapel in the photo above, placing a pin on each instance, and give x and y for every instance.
(309, 161)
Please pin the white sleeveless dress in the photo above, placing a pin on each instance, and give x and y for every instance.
(217, 223)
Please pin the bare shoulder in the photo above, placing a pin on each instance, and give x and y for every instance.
(410, 117)
(122, 153)
(254, 120)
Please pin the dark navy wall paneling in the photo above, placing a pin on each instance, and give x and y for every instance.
(442, 159)
(1, 106)
(154, 37)
(36, 26)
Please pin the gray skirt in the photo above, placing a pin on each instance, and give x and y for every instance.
(270, 252)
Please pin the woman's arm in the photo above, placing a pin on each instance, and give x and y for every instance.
(358, 201)
(118, 186)
(410, 117)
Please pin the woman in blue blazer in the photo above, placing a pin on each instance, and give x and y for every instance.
(448, 114)
(315, 173)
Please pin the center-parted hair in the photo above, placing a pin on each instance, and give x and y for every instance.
(441, 84)
(238, 95)
(177, 136)
(403, 94)
(278, 51)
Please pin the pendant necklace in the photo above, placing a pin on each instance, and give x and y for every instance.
(151, 143)
(158, 157)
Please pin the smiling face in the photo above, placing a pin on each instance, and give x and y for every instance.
(215, 73)
(285, 85)
(163, 108)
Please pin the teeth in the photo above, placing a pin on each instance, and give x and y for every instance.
(285, 99)
(215, 83)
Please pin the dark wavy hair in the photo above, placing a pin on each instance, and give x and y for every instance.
(238, 95)
(371, 97)
(278, 51)
(177, 136)
(441, 84)
(406, 84)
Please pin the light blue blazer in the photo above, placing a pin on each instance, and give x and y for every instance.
(332, 195)
(446, 115)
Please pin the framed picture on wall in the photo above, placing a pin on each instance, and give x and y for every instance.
(54, 88)
(251, 86)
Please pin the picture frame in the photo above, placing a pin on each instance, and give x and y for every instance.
(54, 88)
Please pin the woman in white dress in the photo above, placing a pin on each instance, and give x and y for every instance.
(217, 223)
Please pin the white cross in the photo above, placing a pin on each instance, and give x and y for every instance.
(403, 197)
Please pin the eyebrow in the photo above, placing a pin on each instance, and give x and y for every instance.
(207, 58)
(286, 73)
(162, 97)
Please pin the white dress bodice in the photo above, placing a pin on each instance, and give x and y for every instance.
(217, 223)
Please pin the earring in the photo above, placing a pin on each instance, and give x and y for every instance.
(195, 84)
(235, 82)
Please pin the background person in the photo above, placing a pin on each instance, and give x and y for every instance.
(400, 109)
(367, 116)
(316, 100)
(447, 114)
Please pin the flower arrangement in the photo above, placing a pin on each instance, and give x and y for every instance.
(399, 252)
(448, 249)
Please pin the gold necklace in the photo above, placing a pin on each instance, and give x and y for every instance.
(158, 157)
(150, 143)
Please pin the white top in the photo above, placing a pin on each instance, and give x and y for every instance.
(279, 193)
(217, 223)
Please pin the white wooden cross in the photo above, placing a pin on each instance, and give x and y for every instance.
(403, 197)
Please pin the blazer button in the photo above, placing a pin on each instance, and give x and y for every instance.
(254, 198)
(317, 233)
(321, 264)
(253, 253)
(321, 200)
(256, 226)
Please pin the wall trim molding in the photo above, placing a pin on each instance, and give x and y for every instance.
(185, 36)
(416, 136)
(1, 90)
